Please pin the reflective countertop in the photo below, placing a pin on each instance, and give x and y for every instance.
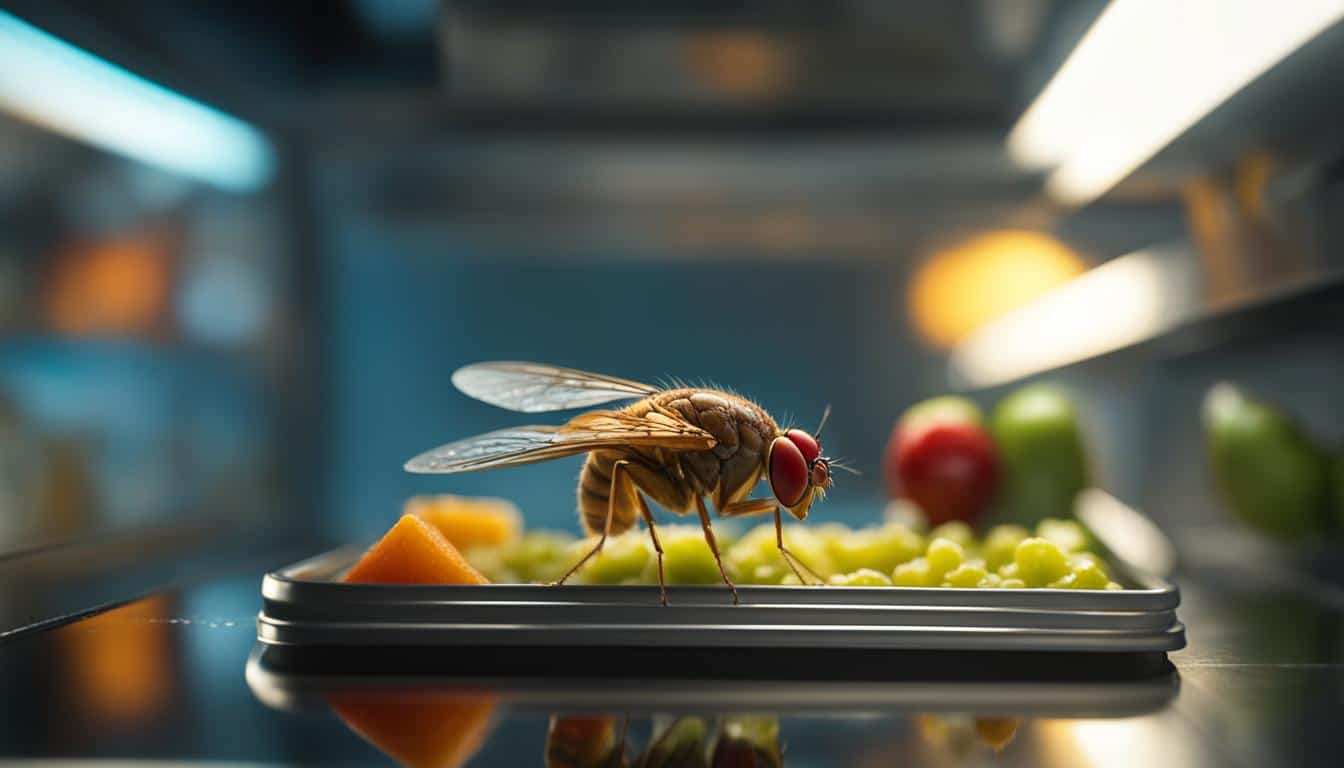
(176, 676)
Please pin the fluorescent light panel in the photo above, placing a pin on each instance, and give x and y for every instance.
(1122, 302)
(70, 91)
(1143, 74)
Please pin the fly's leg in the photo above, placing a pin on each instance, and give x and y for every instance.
(655, 483)
(714, 545)
(657, 546)
(748, 507)
(617, 474)
(789, 557)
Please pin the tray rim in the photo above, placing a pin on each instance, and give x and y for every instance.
(1152, 593)
(300, 610)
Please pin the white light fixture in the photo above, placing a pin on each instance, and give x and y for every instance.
(70, 91)
(1121, 302)
(1143, 74)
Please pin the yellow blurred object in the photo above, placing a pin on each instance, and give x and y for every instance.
(111, 287)
(418, 728)
(997, 732)
(118, 662)
(963, 287)
(737, 63)
(469, 522)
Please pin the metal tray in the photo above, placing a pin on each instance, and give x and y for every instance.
(289, 691)
(305, 606)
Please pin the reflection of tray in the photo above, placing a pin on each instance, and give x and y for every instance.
(305, 607)
(307, 691)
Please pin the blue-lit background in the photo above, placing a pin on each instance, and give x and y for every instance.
(406, 313)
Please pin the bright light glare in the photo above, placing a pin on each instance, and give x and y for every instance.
(1143, 74)
(70, 91)
(1119, 303)
(962, 287)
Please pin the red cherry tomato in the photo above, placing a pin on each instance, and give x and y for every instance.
(950, 470)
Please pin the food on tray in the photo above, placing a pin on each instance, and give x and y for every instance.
(748, 740)
(676, 742)
(1001, 544)
(418, 728)
(940, 457)
(414, 552)
(1044, 461)
(1055, 555)
(586, 741)
(686, 557)
(468, 521)
(864, 577)
(1267, 470)
(755, 558)
(1040, 562)
(881, 548)
(621, 561)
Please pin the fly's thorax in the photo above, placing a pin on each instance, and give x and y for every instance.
(743, 431)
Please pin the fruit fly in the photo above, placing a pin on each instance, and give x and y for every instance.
(677, 446)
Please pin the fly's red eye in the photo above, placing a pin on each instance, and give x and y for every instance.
(788, 472)
(806, 443)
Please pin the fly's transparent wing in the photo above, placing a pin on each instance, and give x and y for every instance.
(515, 446)
(534, 387)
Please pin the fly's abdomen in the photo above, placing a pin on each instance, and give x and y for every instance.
(595, 495)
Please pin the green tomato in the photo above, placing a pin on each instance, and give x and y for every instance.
(1041, 448)
(1039, 562)
(864, 577)
(966, 575)
(913, 574)
(1265, 468)
(1000, 544)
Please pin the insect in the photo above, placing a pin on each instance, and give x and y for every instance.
(677, 446)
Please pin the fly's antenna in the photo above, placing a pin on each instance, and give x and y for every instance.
(840, 464)
(825, 415)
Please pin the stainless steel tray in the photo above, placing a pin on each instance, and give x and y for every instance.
(308, 692)
(305, 606)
